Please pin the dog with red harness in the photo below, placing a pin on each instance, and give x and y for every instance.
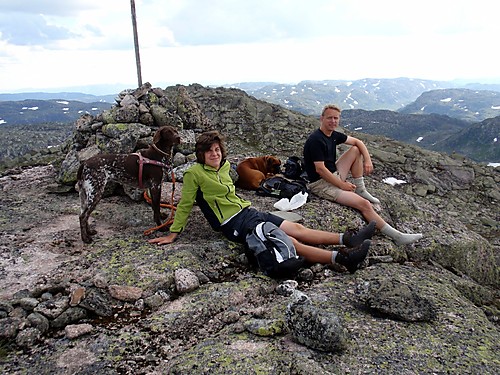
(143, 170)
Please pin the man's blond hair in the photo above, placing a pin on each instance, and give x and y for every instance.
(330, 106)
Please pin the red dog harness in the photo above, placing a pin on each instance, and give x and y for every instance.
(142, 160)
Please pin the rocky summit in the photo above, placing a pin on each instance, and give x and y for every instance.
(123, 306)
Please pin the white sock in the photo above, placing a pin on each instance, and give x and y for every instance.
(334, 255)
(361, 190)
(399, 237)
(341, 238)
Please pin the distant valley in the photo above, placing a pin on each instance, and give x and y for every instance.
(37, 111)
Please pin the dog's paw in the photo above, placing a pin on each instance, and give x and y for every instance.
(87, 239)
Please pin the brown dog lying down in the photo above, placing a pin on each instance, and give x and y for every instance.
(144, 170)
(252, 171)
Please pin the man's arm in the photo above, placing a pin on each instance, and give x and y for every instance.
(367, 160)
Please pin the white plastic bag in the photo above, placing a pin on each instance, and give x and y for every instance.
(293, 203)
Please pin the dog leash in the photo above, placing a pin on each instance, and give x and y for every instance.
(170, 205)
(142, 160)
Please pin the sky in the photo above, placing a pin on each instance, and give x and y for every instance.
(50, 45)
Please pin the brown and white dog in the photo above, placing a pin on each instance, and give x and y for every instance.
(252, 171)
(144, 170)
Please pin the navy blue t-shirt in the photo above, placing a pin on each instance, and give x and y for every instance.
(319, 147)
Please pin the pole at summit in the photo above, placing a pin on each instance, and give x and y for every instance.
(136, 44)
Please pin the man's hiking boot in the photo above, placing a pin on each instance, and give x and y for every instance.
(352, 259)
(352, 239)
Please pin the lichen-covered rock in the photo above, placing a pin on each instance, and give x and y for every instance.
(125, 293)
(73, 331)
(84, 123)
(28, 337)
(397, 301)
(98, 303)
(39, 321)
(185, 281)
(67, 174)
(314, 327)
(68, 316)
(9, 327)
(265, 327)
(53, 307)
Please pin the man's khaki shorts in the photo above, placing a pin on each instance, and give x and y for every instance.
(324, 189)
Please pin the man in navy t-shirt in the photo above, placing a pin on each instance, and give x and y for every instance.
(328, 175)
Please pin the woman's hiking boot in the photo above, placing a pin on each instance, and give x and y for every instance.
(353, 258)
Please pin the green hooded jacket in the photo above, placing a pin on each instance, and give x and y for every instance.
(214, 192)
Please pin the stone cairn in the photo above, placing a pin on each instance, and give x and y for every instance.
(129, 126)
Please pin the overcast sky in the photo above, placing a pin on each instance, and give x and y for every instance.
(53, 44)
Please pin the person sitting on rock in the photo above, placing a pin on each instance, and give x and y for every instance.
(327, 175)
(209, 184)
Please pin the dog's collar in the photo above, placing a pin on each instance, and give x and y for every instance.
(160, 151)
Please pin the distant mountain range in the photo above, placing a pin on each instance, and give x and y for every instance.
(479, 141)
(71, 96)
(470, 105)
(471, 102)
(435, 115)
(309, 97)
(37, 111)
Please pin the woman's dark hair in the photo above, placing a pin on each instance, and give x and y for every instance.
(205, 141)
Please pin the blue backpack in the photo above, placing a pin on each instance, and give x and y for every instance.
(270, 248)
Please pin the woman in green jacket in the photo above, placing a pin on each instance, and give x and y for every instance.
(209, 184)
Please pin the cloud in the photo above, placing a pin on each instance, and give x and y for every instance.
(34, 31)
(227, 21)
(183, 41)
(45, 23)
(62, 8)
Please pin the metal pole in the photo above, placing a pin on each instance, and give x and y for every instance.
(136, 44)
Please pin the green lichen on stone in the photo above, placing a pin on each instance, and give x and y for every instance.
(275, 327)
(473, 257)
(108, 115)
(125, 262)
(153, 99)
(117, 127)
(117, 350)
(253, 357)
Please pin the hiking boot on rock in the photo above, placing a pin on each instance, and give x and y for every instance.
(352, 239)
(353, 258)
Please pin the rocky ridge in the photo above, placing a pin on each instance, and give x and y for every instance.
(123, 306)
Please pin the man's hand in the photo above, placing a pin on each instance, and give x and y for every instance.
(164, 240)
(347, 186)
(367, 168)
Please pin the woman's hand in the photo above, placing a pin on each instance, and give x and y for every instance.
(164, 240)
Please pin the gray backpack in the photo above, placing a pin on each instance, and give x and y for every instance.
(270, 248)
